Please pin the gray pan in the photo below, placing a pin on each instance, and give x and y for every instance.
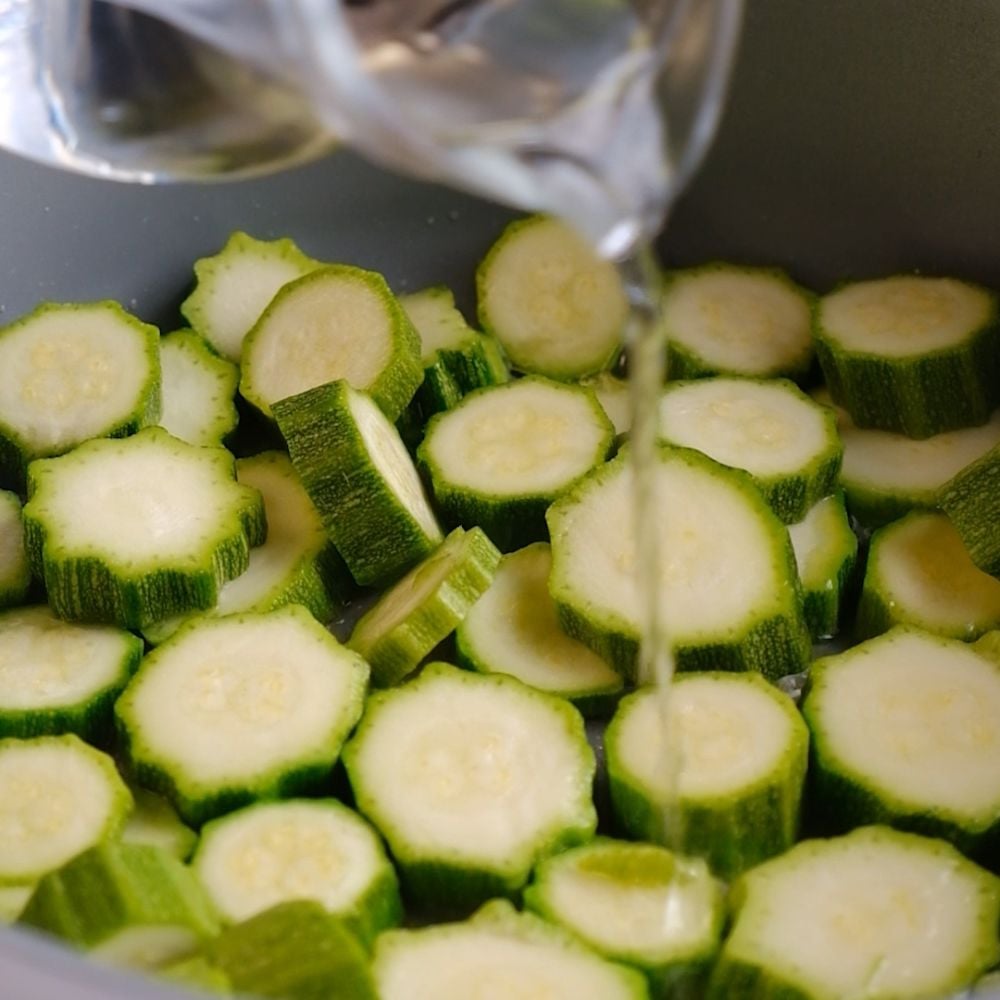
(861, 138)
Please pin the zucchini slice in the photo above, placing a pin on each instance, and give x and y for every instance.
(424, 608)
(155, 822)
(129, 905)
(358, 473)
(58, 797)
(722, 319)
(296, 564)
(294, 950)
(875, 914)
(772, 430)
(130, 532)
(613, 394)
(555, 306)
(499, 950)
(15, 574)
(235, 286)
(13, 900)
(273, 852)
(638, 904)
(911, 354)
(971, 499)
(198, 390)
(196, 974)
(904, 732)
(471, 779)
(499, 458)
(729, 588)
(886, 475)
(919, 573)
(513, 629)
(73, 372)
(233, 709)
(61, 677)
(339, 322)
(742, 747)
(826, 550)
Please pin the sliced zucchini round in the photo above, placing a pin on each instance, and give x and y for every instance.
(771, 429)
(273, 852)
(471, 779)
(514, 629)
(555, 306)
(919, 573)
(876, 913)
(904, 732)
(338, 322)
(728, 585)
(722, 319)
(232, 709)
(73, 372)
(911, 354)
(499, 458)
(742, 748)
(155, 822)
(15, 574)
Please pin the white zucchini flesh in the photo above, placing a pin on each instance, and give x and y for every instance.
(434, 316)
(69, 373)
(913, 718)
(155, 822)
(729, 736)
(236, 285)
(820, 543)
(738, 320)
(228, 699)
(922, 573)
(197, 390)
(904, 316)
(876, 913)
(57, 798)
(14, 572)
(269, 853)
(46, 662)
(527, 437)
(767, 428)
(13, 900)
(146, 947)
(513, 629)
(614, 396)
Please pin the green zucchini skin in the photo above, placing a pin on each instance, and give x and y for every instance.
(972, 502)
(15, 574)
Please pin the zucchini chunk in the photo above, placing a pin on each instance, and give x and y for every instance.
(516, 954)
(729, 588)
(772, 430)
(555, 306)
(456, 359)
(919, 573)
(886, 475)
(971, 499)
(15, 575)
(513, 629)
(424, 608)
(196, 974)
(358, 473)
(743, 749)
(722, 319)
(198, 390)
(69, 373)
(296, 564)
(911, 354)
(130, 532)
(339, 322)
(155, 822)
(129, 905)
(638, 904)
(273, 852)
(471, 779)
(499, 458)
(294, 950)
(904, 732)
(234, 709)
(61, 677)
(826, 550)
(58, 797)
(877, 913)
(235, 286)
(613, 394)
(13, 900)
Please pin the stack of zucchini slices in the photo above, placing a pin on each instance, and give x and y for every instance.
(319, 721)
